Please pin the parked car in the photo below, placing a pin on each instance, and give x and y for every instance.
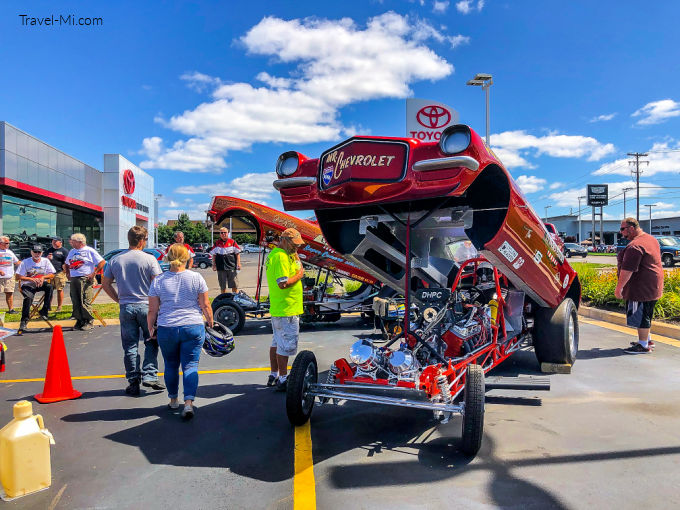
(165, 266)
(670, 249)
(201, 247)
(573, 249)
(251, 248)
(202, 260)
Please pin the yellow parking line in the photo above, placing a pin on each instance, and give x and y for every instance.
(122, 376)
(304, 490)
(630, 331)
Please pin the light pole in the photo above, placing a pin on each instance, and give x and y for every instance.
(546, 212)
(485, 81)
(624, 200)
(580, 238)
(155, 218)
(650, 215)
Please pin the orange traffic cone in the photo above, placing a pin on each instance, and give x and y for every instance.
(58, 385)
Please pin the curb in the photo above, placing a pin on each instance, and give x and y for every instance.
(659, 328)
(64, 324)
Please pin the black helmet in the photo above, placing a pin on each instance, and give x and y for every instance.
(218, 340)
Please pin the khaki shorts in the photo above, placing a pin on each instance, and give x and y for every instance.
(286, 333)
(59, 281)
(7, 285)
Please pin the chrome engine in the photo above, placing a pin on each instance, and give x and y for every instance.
(383, 363)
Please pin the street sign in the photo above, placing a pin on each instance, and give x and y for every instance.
(598, 195)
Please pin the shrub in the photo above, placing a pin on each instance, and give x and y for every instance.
(598, 286)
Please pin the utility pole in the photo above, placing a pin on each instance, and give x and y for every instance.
(650, 216)
(636, 173)
(546, 212)
(624, 200)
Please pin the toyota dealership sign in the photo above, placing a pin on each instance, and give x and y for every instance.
(425, 119)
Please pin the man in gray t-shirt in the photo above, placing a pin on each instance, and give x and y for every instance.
(133, 270)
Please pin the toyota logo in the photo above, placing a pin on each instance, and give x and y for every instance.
(433, 117)
(128, 182)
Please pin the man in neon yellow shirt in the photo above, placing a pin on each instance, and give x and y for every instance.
(284, 272)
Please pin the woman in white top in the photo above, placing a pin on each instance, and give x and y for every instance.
(178, 299)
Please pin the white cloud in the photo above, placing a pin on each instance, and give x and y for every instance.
(195, 210)
(530, 183)
(336, 63)
(512, 146)
(440, 7)
(605, 117)
(511, 158)
(256, 187)
(556, 185)
(467, 6)
(663, 157)
(200, 82)
(657, 112)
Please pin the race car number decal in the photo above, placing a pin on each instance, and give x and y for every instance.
(508, 251)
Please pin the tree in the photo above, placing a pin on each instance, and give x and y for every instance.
(165, 234)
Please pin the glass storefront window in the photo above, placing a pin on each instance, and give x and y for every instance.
(27, 222)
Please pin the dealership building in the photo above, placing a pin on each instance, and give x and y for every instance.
(568, 225)
(45, 192)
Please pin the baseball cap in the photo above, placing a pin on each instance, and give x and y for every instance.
(293, 235)
(57, 238)
(37, 248)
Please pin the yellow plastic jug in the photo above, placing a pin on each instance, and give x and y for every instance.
(24, 453)
(493, 305)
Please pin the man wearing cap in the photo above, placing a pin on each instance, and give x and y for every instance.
(81, 265)
(284, 272)
(35, 275)
(57, 255)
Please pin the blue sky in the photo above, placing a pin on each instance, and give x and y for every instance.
(206, 94)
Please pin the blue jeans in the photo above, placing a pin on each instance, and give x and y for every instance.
(132, 320)
(181, 344)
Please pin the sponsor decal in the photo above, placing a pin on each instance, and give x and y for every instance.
(508, 251)
(518, 263)
(556, 277)
(527, 232)
(327, 175)
(551, 257)
(566, 281)
(538, 256)
(553, 246)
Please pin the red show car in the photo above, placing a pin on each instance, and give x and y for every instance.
(445, 226)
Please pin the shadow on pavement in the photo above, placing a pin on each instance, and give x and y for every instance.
(596, 353)
(248, 433)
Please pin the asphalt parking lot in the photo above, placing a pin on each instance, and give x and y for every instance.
(605, 436)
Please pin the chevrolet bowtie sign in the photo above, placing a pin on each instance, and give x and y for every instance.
(598, 195)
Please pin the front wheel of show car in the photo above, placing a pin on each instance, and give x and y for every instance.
(299, 404)
(556, 334)
(231, 315)
(473, 413)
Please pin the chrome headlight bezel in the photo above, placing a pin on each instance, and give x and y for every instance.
(287, 164)
(455, 139)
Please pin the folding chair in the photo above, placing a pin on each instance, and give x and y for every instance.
(95, 312)
(35, 310)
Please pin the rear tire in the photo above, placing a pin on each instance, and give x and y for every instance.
(556, 334)
(667, 260)
(231, 315)
(299, 405)
(473, 414)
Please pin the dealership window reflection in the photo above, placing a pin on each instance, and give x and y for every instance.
(27, 221)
